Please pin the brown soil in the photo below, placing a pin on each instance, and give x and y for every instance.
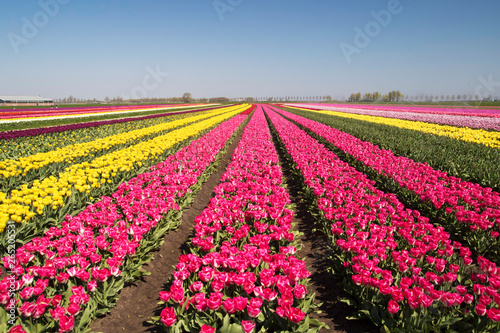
(138, 302)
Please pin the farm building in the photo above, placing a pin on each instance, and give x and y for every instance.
(25, 101)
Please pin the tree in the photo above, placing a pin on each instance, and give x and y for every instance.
(399, 95)
(367, 97)
(187, 98)
(355, 97)
(219, 100)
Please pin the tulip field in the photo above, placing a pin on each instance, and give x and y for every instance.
(407, 200)
(14, 116)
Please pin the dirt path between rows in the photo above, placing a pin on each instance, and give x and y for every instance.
(138, 302)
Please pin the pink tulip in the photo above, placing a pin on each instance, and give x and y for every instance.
(67, 323)
(229, 305)
(240, 303)
(393, 307)
(354, 209)
(151, 197)
(165, 296)
(480, 309)
(472, 118)
(296, 315)
(215, 301)
(26, 293)
(207, 329)
(17, 329)
(57, 313)
(56, 300)
(431, 185)
(92, 286)
(73, 309)
(248, 326)
(27, 309)
(494, 314)
(168, 317)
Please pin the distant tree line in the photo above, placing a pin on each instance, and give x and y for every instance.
(391, 96)
(186, 98)
(397, 96)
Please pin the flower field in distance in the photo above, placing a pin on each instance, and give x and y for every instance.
(14, 115)
(414, 239)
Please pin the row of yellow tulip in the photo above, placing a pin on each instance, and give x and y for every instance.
(22, 165)
(22, 205)
(480, 136)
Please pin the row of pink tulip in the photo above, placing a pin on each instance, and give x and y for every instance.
(405, 271)
(64, 279)
(476, 208)
(471, 121)
(242, 274)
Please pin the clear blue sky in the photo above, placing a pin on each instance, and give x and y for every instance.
(98, 48)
